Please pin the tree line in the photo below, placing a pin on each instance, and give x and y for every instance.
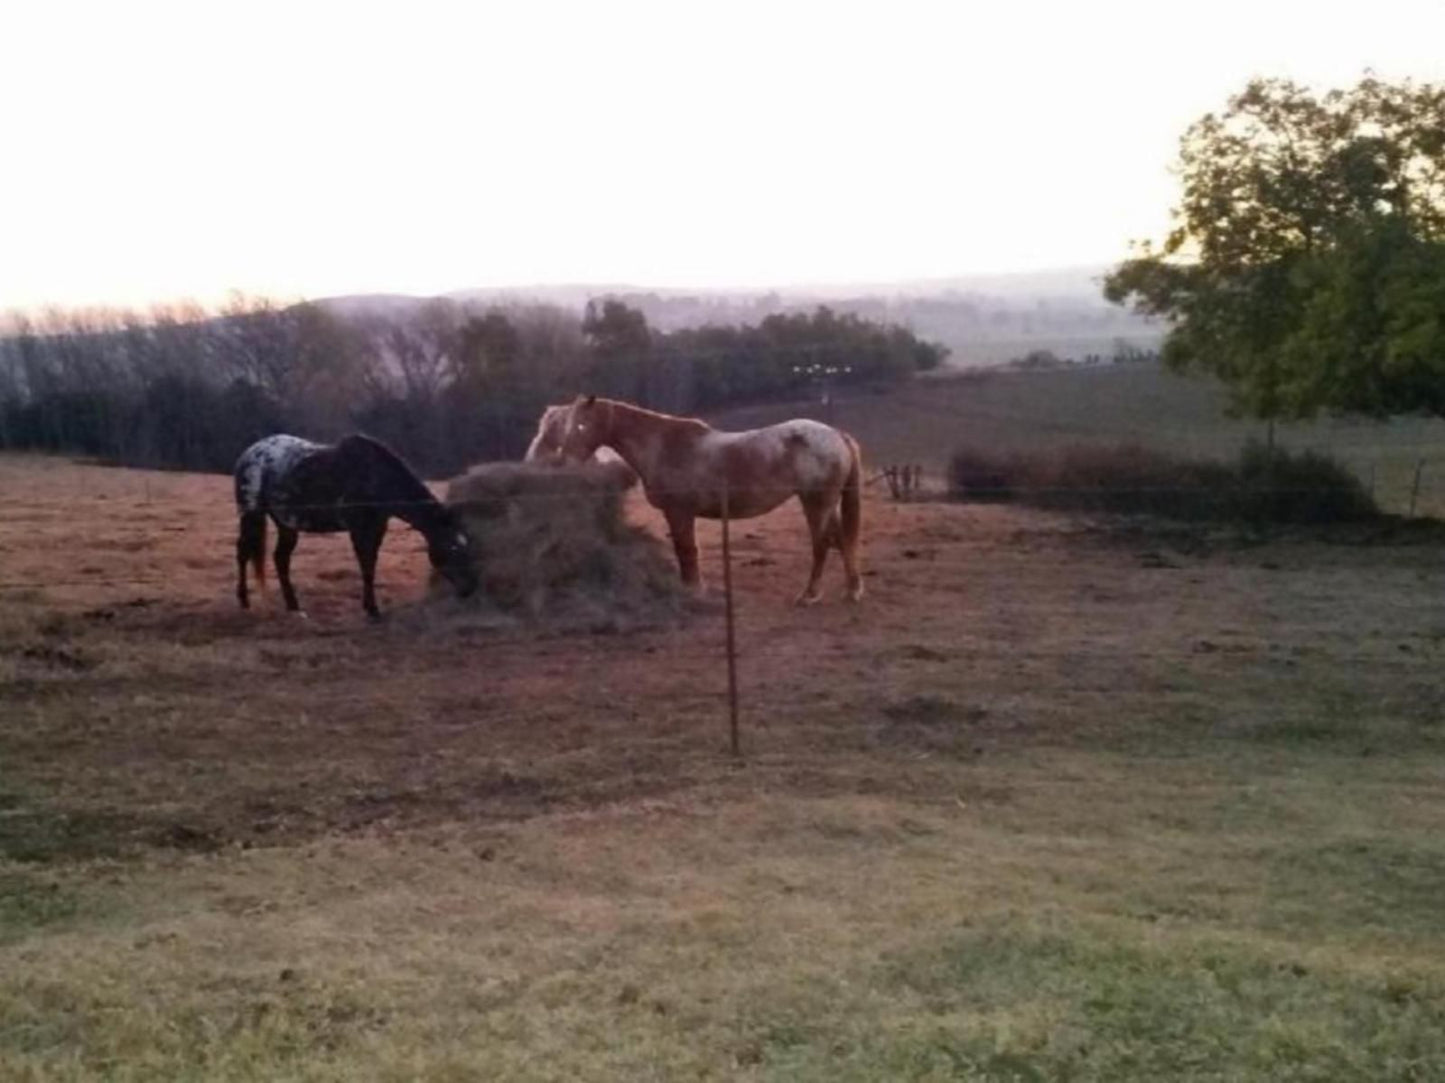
(1306, 267)
(444, 383)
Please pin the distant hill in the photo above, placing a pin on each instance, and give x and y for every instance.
(982, 319)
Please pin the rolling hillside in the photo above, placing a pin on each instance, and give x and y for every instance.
(1142, 404)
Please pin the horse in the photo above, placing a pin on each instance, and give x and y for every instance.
(546, 447)
(355, 485)
(688, 469)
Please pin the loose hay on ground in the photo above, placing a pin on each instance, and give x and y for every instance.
(553, 542)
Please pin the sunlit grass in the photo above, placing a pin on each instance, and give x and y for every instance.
(1083, 916)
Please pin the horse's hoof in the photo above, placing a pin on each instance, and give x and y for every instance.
(809, 598)
(300, 614)
(855, 594)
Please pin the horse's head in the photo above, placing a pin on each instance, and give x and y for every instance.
(585, 429)
(546, 446)
(450, 552)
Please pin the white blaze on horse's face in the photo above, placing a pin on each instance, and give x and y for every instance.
(581, 436)
(450, 555)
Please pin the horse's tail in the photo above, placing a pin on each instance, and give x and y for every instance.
(249, 479)
(852, 501)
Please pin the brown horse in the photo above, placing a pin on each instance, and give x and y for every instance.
(687, 468)
(546, 445)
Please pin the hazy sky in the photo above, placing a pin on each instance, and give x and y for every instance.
(163, 150)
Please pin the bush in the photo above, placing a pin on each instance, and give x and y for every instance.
(1303, 488)
(977, 475)
(1262, 486)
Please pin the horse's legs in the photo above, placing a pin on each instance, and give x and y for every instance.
(683, 527)
(250, 546)
(850, 564)
(838, 539)
(286, 539)
(824, 531)
(366, 541)
(831, 536)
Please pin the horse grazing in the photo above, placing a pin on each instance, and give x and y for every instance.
(356, 485)
(687, 468)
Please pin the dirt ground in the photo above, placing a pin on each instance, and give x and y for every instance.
(1016, 690)
(146, 708)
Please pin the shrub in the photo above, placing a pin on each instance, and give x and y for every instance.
(978, 475)
(1262, 486)
(1303, 488)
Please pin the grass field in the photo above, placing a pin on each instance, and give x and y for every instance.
(1142, 404)
(1059, 800)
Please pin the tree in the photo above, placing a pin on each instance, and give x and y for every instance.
(483, 403)
(613, 329)
(1306, 268)
(422, 344)
(620, 343)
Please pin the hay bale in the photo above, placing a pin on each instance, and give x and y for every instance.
(552, 541)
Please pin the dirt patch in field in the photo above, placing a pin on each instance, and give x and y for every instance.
(142, 708)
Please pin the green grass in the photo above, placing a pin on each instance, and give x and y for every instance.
(1089, 1005)
(1072, 916)
(31, 901)
(33, 832)
(1375, 882)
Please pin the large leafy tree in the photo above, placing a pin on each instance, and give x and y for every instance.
(1306, 266)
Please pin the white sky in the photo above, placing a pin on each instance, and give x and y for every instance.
(161, 150)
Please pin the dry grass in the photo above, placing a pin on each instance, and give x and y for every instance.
(1054, 802)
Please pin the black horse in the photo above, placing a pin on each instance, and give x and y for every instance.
(356, 485)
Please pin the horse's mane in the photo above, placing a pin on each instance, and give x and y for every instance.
(409, 487)
(546, 423)
(656, 415)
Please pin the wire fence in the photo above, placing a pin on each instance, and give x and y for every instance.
(1399, 480)
(1409, 483)
(714, 646)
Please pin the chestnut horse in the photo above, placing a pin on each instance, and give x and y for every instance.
(687, 467)
(546, 445)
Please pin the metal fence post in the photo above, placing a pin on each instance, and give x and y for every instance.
(731, 640)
